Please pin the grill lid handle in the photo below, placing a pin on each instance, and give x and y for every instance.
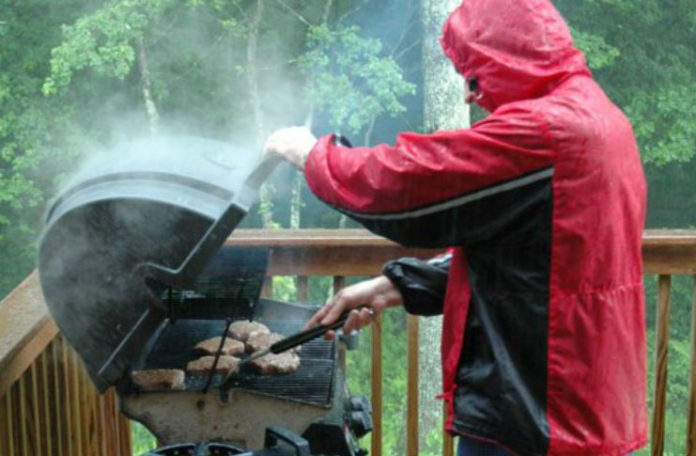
(185, 275)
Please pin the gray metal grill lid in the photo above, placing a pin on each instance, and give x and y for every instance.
(146, 215)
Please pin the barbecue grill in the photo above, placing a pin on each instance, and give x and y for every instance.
(134, 272)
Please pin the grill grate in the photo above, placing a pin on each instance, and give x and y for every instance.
(312, 383)
(228, 287)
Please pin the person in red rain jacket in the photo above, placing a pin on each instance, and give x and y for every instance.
(542, 206)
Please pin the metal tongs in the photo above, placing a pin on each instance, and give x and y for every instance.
(298, 339)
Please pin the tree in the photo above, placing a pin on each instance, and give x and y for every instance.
(30, 129)
(643, 74)
(122, 68)
(444, 109)
(651, 79)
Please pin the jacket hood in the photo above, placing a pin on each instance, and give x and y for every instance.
(517, 49)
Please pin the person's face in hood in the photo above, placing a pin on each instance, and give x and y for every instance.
(515, 49)
(471, 93)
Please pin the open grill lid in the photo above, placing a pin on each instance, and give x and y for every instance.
(146, 216)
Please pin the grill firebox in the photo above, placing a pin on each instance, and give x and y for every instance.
(311, 384)
(312, 401)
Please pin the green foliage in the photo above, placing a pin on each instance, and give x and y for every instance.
(349, 79)
(668, 135)
(644, 57)
(84, 54)
(597, 51)
(284, 288)
(226, 12)
(103, 41)
(143, 440)
(319, 289)
(27, 140)
(394, 378)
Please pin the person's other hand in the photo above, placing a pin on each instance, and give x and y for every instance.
(372, 296)
(292, 143)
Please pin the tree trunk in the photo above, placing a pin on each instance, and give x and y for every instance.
(266, 205)
(298, 180)
(150, 106)
(444, 108)
(444, 88)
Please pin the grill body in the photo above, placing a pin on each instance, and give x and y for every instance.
(312, 402)
(147, 215)
(134, 273)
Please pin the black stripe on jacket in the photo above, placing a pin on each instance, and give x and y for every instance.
(466, 218)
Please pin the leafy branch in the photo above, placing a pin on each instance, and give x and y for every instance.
(350, 79)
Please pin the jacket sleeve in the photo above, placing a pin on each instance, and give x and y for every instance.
(441, 189)
(422, 283)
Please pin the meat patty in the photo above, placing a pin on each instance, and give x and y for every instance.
(280, 364)
(210, 346)
(240, 330)
(227, 365)
(258, 341)
(159, 379)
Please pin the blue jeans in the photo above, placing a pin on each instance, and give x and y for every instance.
(472, 447)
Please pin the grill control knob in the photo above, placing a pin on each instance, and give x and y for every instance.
(360, 423)
(358, 415)
(359, 404)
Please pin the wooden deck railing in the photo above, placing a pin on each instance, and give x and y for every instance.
(48, 406)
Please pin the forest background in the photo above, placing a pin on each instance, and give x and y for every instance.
(78, 76)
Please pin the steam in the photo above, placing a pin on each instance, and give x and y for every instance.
(102, 228)
(213, 103)
(117, 139)
(96, 235)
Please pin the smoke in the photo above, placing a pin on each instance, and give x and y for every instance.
(207, 132)
(198, 77)
(198, 67)
(144, 201)
(199, 84)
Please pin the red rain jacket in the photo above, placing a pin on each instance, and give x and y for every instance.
(542, 204)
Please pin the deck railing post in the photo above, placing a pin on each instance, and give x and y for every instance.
(376, 397)
(447, 439)
(661, 355)
(302, 288)
(338, 283)
(691, 417)
(267, 288)
(412, 386)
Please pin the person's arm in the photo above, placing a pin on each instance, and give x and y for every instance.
(418, 285)
(365, 300)
(422, 284)
(442, 189)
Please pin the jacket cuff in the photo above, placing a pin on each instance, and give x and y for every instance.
(422, 285)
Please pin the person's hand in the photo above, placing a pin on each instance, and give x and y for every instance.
(372, 296)
(292, 143)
